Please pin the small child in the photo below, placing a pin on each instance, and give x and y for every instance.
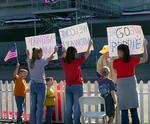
(20, 90)
(107, 90)
(50, 99)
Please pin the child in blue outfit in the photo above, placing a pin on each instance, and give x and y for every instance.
(107, 91)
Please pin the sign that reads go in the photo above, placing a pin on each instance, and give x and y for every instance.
(131, 35)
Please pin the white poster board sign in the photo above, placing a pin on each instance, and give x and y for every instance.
(131, 35)
(47, 42)
(77, 36)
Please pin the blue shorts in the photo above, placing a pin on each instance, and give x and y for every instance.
(110, 106)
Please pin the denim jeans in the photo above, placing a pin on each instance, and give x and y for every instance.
(49, 114)
(73, 93)
(19, 103)
(37, 96)
(134, 116)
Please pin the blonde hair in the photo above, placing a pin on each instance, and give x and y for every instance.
(105, 69)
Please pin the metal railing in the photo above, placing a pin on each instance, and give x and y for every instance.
(60, 4)
(100, 7)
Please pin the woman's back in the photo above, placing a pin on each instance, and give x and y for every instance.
(125, 69)
(37, 73)
(72, 71)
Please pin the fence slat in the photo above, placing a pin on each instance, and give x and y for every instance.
(141, 103)
(89, 94)
(148, 102)
(12, 99)
(96, 94)
(62, 99)
(6, 95)
(56, 109)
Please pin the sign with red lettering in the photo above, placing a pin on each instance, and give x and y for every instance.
(77, 36)
(47, 42)
(131, 35)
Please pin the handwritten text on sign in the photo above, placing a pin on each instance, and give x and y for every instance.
(77, 36)
(132, 35)
(47, 42)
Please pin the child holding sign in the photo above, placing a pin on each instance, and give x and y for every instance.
(71, 64)
(37, 89)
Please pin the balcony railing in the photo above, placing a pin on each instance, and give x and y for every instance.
(14, 3)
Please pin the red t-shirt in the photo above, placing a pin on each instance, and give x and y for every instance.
(73, 72)
(124, 69)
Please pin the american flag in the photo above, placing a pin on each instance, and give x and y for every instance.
(12, 53)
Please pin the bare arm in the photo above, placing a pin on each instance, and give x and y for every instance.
(16, 70)
(114, 96)
(28, 61)
(89, 49)
(64, 52)
(52, 55)
(145, 54)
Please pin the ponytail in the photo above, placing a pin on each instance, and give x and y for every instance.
(35, 52)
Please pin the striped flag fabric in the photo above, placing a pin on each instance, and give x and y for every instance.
(12, 53)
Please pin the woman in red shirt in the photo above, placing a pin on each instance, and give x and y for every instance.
(126, 82)
(74, 90)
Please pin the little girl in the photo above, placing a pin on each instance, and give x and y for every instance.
(50, 99)
(37, 88)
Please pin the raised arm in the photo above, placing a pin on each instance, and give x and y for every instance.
(145, 54)
(89, 49)
(52, 55)
(16, 70)
(64, 52)
(28, 60)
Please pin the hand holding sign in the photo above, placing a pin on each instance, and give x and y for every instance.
(132, 35)
(145, 43)
(77, 36)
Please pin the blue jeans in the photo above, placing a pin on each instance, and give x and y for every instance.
(73, 93)
(49, 114)
(134, 116)
(19, 103)
(37, 96)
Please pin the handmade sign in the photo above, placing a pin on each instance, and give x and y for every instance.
(77, 36)
(132, 35)
(47, 42)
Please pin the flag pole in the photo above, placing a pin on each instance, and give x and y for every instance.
(17, 53)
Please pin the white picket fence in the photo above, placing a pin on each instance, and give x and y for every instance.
(8, 106)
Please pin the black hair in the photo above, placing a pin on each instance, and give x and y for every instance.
(126, 52)
(70, 54)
